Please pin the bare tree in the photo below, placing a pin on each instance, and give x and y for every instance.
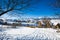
(58, 15)
(56, 6)
(13, 5)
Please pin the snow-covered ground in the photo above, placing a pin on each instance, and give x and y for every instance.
(26, 33)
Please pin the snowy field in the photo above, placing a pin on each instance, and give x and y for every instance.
(26, 33)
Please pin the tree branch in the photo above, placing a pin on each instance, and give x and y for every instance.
(6, 12)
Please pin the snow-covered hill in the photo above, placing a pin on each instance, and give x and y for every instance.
(26, 33)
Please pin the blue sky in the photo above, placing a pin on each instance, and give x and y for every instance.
(40, 9)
